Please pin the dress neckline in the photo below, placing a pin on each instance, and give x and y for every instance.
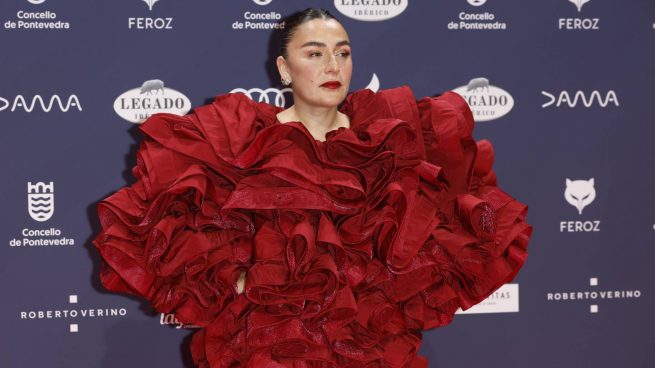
(328, 135)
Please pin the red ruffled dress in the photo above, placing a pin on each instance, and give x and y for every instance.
(352, 245)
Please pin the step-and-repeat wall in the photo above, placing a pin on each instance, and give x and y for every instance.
(562, 88)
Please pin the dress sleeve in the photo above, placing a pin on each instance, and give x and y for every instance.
(481, 240)
(165, 237)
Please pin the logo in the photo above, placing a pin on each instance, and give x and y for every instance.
(262, 2)
(588, 24)
(73, 313)
(371, 10)
(487, 102)
(580, 193)
(150, 3)
(148, 23)
(593, 295)
(40, 200)
(43, 20)
(579, 3)
(374, 84)
(266, 95)
(476, 21)
(503, 300)
(278, 97)
(476, 2)
(19, 103)
(564, 98)
(138, 104)
(169, 319)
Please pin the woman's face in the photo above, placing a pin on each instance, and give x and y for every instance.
(319, 52)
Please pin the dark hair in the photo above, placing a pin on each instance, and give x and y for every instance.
(294, 20)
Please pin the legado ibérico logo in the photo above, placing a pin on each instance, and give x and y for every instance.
(486, 101)
(40, 200)
(137, 104)
(371, 10)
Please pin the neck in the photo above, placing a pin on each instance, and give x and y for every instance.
(318, 120)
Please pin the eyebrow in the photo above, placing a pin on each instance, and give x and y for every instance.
(321, 44)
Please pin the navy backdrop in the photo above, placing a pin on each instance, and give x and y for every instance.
(562, 88)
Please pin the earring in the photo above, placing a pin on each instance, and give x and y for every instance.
(285, 81)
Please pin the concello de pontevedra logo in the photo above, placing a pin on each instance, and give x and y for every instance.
(41, 200)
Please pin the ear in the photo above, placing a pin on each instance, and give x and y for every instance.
(282, 67)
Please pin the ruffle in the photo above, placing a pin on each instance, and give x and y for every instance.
(352, 246)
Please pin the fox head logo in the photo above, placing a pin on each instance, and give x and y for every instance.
(580, 193)
(579, 3)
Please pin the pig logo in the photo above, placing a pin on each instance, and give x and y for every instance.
(149, 86)
(138, 104)
(580, 193)
(478, 85)
(487, 102)
(579, 3)
(40, 200)
(150, 3)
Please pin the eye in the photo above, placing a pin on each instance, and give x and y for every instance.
(314, 53)
(344, 53)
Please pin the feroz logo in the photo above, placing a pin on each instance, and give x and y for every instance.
(150, 3)
(371, 11)
(40, 200)
(579, 3)
(564, 98)
(138, 104)
(572, 24)
(477, 2)
(580, 193)
(487, 102)
(150, 23)
(266, 95)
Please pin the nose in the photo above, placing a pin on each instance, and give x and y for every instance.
(332, 65)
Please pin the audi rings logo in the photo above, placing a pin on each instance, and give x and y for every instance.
(262, 2)
(277, 96)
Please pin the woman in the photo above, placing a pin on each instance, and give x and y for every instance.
(315, 236)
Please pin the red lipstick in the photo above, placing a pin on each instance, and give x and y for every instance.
(331, 84)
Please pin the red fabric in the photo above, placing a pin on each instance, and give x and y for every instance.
(352, 246)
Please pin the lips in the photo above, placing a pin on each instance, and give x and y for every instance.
(331, 84)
